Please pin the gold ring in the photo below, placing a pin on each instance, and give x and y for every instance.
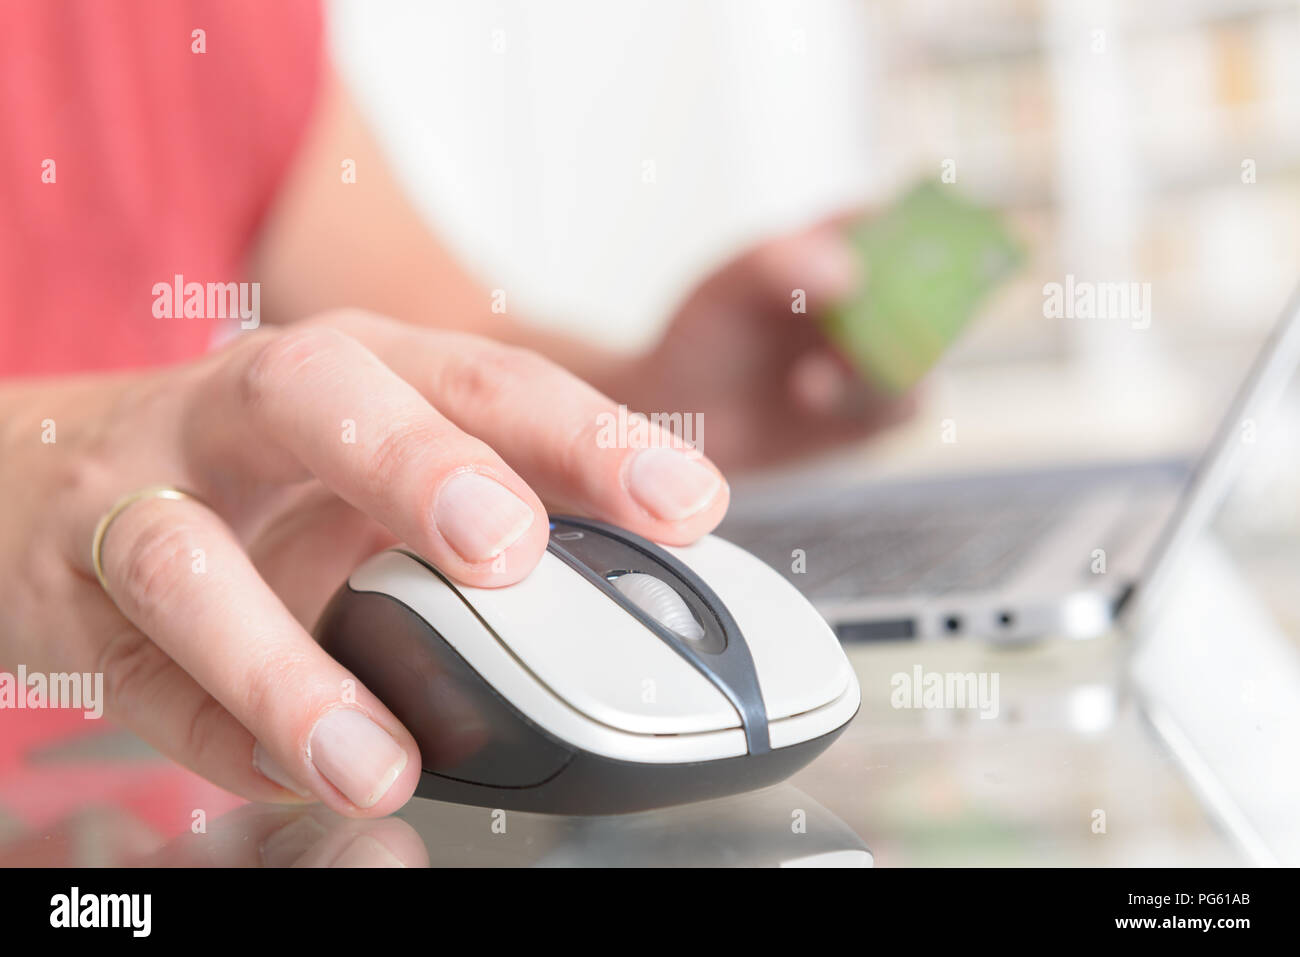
(169, 492)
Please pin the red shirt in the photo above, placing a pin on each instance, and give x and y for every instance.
(163, 161)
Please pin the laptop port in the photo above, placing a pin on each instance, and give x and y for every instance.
(1006, 619)
(895, 629)
(952, 624)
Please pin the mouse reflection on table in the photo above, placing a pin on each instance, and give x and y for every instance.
(778, 826)
(618, 676)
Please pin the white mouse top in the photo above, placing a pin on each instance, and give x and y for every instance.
(641, 652)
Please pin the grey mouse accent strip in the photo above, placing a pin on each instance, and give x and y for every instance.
(730, 670)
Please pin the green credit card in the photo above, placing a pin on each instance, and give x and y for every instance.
(929, 261)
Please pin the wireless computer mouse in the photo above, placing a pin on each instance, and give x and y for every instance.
(619, 676)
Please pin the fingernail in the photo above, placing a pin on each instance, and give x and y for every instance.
(281, 848)
(356, 755)
(669, 484)
(479, 517)
(365, 851)
(268, 767)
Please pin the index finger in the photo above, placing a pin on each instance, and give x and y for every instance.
(579, 450)
(313, 401)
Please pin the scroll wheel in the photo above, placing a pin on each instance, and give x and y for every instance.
(661, 602)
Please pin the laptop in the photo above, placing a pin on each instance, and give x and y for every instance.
(1009, 556)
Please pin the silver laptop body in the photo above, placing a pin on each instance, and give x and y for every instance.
(1009, 556)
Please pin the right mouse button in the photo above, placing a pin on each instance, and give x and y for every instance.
(652, 589)
(799, 662)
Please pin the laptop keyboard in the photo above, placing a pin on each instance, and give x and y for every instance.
(906, 548)
(936, 536)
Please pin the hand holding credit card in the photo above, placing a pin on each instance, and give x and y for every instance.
(929, 261)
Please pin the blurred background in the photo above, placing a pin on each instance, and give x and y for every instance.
(597, 159)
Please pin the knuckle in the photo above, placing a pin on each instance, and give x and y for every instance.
(79, 478)
(157, 560)
(76, 478)
(396, 452)
(282, 356)
(272, 685)
(130, 663)
(205, 726)
(576, 448)
(492, 374)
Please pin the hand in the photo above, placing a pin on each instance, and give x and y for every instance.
(313, 447)
(767, 383)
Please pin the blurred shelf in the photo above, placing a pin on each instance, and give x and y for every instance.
(978, 33)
